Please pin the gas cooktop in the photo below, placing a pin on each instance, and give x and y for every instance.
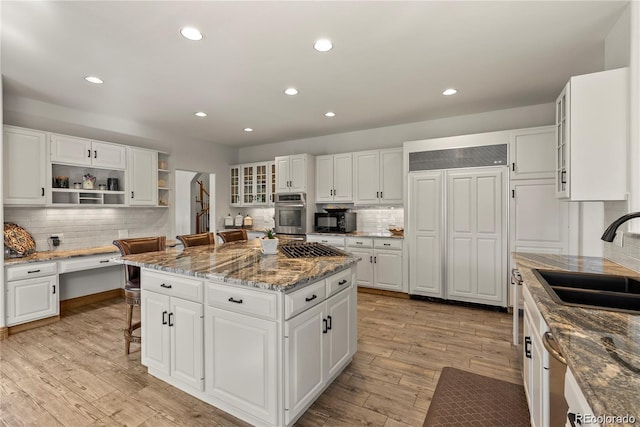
(296, 249)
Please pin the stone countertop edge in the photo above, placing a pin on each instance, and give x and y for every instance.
(242, 264)
(70, 253)
(359, 234)
(610, 387)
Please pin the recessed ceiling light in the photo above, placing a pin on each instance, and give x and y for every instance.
(248, 129)
(201, 114)
(191, 33)
(450, 91)
(330, 114)
(94, 79)
(291, 91)
(323, 45)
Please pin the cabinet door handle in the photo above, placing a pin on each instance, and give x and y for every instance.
(54, 289)
(132, 194)
(237, 301)
(324, 326)
(33, 271)
(381, 194)
(377, 194)
(163, 285)
(164, 317)
(375, 259)
(342, 282)
(527, 347)
(311, 298)
(329, 319)
(563, 177)
(95, 154)
(170, 317)
(513, 167)
(104, 261)
(371, 259)
(42, 188)
(89, 153)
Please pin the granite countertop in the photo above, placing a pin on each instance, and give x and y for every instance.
(361, 234)
(56, 255)
(242, 263)
(609, 375)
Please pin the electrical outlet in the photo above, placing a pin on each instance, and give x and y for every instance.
(619, 239)
(123, 234)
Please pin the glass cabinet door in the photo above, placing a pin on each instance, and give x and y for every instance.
(261, 184)
(235, 185)
(248, 184)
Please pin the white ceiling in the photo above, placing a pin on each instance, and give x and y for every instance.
(389, 64)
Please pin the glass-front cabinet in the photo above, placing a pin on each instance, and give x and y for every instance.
(562, 145)
(248, 184)
(234, 172)
(252, 184)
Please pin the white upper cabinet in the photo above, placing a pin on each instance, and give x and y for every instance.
(292, 173)
(84, 152)
(24, 164)
(378, 177)
(334, 178)
(533, 153)
(143, 181)
(592, 121)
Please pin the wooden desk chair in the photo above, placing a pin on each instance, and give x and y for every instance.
(189, 240)
(132, 280)
(233, 235)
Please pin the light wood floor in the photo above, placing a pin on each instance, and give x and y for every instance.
(75, 373)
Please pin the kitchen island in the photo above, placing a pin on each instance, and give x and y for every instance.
(258, 336)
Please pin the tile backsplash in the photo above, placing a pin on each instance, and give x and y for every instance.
(629, 254)
(85, 228)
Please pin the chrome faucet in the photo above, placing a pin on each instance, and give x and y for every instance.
(610, 233)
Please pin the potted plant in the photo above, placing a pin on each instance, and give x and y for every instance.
(269, 242)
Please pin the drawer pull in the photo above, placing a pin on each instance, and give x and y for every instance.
(387, 244)
(165, 286)
(164, 317)
(324, 241)
(237, 301)
(358, 243)
(33, 271)
(342, 282)
(311, 298)
(104, 261)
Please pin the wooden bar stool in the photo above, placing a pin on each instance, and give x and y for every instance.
(189, 240)
(132, 281)
(233, 235)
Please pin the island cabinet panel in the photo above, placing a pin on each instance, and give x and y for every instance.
(173, 328)
(318, 345)
(242, 363)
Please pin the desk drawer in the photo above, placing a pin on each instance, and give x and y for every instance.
(245, 301)
(87, 263)
(30, 270)
(188, 288)
(302, 299)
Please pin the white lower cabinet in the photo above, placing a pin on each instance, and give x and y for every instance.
(32, 292)
(381, 263)
(172, 332)
(241, 362)
(318, 344)
(536, 363)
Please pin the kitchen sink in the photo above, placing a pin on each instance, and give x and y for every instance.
(601, 291)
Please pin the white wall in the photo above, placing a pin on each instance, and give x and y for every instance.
(394, 136)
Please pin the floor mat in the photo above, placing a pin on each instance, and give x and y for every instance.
(466, 399)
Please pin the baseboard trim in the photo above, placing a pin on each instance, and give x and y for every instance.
(393, 294)
(90, 299)
(32, 325)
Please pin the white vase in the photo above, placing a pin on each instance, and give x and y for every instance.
(269, 246)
